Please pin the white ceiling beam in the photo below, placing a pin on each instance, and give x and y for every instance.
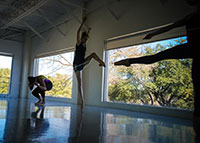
(16, 29)
(107, 6)
(10, 36)
(6, 6)
(24, 11)
(74, 5)
(35, 31)
(112, 13)
(75, 17)
(62, 4)
(51, 23)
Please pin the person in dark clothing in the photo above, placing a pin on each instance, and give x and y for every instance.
(187, 50)
(43, 84)
(79, 59)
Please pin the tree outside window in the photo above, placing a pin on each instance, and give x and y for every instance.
(165, 83)
(59, 70)
(5, 73)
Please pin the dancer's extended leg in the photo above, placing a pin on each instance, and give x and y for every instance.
(177, 52)
(94, 56)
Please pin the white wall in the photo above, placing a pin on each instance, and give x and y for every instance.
(14, 48)
(134, 15)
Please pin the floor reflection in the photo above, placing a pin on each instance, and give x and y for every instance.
(21, 121)
(126, 129)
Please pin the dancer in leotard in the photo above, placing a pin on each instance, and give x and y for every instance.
(79, 59)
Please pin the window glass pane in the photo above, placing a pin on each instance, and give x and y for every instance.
(5, 73)
(59, 70)
(164, 83)
(3, 112)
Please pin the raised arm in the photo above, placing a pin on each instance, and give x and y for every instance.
(178, 23)
(79, 30)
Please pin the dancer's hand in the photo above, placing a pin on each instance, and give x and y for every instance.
(122, 62)
(148, 36)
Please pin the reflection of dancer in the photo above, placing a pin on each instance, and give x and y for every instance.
(77, 136)
(79, 59)
(35, 114)
(43, 84)
(37, 126)
(188, 50)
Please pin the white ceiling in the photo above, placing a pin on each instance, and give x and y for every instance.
(17, 16)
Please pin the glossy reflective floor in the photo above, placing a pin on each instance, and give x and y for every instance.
(22, 122)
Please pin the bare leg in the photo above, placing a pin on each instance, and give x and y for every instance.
(43, 97)
(177, 52)
(80, 87)
(36, 94)
(94, 56)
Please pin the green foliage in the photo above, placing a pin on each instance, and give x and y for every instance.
(170, 84)
(4, 80)
(165, 83)
(62, 86)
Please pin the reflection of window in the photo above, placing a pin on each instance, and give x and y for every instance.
(120, 128)
(5, 73)
(3, 112)
(165, 83)
(3, 109)
(58, 69)
(58, 112)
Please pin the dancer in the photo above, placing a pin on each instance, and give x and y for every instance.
(79, 59)
(43, 84)
(187, 50)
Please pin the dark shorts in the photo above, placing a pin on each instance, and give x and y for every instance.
(78, 67)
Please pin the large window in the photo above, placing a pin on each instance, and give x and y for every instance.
(165, 83)
(5, 73)
(58, 69)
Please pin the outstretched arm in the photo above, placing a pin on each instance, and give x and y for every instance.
(79, 30)
(179, 23)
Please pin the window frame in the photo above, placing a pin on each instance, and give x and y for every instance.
(48, 54)
(105, 78)
(11, 72)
